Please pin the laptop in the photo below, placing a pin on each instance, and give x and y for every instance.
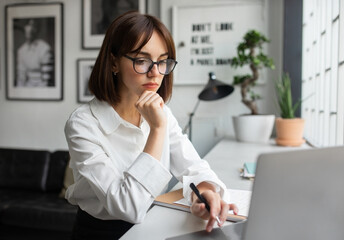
(296, 195)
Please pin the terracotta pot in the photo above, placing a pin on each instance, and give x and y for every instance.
(289, 132)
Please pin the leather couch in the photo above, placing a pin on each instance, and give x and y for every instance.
(30, 203)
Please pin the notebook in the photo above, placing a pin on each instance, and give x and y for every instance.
(296, 195)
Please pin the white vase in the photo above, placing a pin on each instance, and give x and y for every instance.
(253, 128)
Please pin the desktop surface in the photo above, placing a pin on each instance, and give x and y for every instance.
(226, 158)
(161, 223)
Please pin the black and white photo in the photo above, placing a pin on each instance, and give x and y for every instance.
(34, 51)
(98, 14)
(85, 67)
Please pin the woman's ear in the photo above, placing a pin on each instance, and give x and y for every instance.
(114, 64)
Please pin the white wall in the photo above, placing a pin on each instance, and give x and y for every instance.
(218, 113)
(39, 125)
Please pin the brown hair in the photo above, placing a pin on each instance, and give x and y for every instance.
(124, 33)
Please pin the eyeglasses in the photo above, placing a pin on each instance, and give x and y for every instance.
(144, 65)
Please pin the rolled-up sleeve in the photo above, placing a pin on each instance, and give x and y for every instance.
(146, 170)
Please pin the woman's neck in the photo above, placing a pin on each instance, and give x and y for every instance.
(128, 112)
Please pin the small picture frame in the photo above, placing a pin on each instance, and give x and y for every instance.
(85, 67)
(97, 16)
(34, 49)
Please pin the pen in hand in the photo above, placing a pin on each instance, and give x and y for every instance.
(203, 200)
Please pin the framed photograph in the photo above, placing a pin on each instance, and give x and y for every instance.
(97, 16)
(85, 67)
(34, 51)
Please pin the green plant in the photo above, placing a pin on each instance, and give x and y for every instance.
(247, 55)
(284, 97)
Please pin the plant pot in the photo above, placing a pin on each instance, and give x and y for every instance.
(253, 128)
(289, 132)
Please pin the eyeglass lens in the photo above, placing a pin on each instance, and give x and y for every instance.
(144, 65)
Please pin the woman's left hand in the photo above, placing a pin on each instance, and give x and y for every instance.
(218, 208)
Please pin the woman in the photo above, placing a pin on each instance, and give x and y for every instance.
(125, 144)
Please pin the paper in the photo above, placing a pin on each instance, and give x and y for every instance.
(241, 198)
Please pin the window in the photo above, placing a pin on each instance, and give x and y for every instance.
(323, 71)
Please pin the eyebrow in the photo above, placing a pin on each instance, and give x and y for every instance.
(148, 54)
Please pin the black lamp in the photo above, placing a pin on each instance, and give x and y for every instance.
(214, 90)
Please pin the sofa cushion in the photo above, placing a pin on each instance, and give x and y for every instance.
(56, 173)
(36, 210)
(24, 169)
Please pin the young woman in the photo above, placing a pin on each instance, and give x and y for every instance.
(125, 144)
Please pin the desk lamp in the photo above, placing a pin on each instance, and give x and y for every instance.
(214, 90)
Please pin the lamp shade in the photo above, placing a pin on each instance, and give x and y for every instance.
(215, 89)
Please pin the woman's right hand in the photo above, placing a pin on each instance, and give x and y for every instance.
(150, 105)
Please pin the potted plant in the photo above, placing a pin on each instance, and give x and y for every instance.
(289, 129)
(252, 127)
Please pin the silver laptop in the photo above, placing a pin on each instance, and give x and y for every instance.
(296, 195)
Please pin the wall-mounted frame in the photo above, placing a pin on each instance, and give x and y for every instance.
(34, 49)
(85, 67)
(97, 15)
(207, 34)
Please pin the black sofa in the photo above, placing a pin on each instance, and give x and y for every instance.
(31, 206)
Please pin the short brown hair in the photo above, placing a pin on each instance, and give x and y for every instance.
(122, 36)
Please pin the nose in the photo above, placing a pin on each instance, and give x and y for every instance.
(154, 70)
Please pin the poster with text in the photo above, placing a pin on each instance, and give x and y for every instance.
(206, 37)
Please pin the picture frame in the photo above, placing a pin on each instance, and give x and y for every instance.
(34, 51)
(206, 36)
(97, 15)
(84, 69)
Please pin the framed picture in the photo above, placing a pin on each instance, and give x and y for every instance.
(34, 49)
(85, 67)
(206, 37)
(97, 16)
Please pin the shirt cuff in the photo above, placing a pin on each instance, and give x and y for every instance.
(150, 173)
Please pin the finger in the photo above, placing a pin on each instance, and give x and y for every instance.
(224, 211)
(214, 202)
(210, 224)
(154, 98)
(143, 98)
(198, 209)
(234, 208)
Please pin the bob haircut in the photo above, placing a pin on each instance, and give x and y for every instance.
(125, 32)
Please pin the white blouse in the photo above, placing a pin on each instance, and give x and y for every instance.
(113, 177)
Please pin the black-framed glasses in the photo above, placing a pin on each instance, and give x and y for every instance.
(144, 65)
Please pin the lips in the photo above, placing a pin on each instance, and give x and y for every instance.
(151, 85)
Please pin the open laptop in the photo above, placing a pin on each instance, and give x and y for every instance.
(296, 195)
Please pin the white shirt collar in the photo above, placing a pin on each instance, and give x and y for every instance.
(108, 118)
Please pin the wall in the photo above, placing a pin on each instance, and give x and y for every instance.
(39, 125)
(212, 120)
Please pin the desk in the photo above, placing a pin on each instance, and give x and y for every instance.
(226, 158)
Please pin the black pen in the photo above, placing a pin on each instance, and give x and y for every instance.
(202, 199)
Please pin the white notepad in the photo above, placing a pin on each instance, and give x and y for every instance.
(241, 198)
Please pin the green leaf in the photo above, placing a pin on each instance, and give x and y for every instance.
(284, 97)
(250, 53)
(240, 79)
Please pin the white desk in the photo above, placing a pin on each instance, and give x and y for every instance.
(226, 158)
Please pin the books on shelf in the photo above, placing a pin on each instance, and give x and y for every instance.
(175, 200)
